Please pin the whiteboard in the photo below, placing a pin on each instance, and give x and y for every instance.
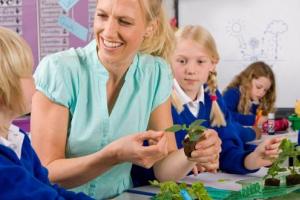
(250, 30)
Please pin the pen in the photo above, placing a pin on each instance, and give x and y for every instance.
(185, 194)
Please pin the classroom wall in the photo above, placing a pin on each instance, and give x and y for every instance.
(250, 30)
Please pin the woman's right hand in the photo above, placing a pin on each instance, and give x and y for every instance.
(130, 148)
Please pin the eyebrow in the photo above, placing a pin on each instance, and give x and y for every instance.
(120, 16)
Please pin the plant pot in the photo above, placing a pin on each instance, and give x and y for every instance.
(188, 146)
(295, 121)
(292, 179)
(272, 182)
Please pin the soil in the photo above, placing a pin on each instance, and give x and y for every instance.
(293, 179)
(188, 146)
(272, 182)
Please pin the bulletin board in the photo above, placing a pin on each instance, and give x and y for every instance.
(250, 30)
(49, 25)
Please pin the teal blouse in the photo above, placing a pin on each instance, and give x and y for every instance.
(77, 80)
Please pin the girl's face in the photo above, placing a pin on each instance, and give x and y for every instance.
(120, 28)
(260, 87)
(28, 89)
(191, 66)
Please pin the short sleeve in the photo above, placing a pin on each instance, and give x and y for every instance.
(53, 80)
(164, 82)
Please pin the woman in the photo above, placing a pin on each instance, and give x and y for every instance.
(94, 103)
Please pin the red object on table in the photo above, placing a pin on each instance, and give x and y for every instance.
(281, 124)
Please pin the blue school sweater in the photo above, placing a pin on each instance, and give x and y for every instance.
(25, 178)
(232, 98)
(233, 136)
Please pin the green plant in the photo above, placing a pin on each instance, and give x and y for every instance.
(170, 190)
(289, 150)
(194, 130)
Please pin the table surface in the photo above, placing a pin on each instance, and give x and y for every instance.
(145, 192)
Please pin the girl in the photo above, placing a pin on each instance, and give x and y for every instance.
(195, 96)
(251, 95)
(21, 173)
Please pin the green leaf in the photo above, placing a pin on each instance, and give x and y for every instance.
(196, 123)
(174, 128)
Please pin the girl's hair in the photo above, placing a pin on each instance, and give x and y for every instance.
(16, 62)
(201, 36)
(161, 42)
(243, 81)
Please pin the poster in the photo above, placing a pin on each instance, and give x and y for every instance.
(38, 22)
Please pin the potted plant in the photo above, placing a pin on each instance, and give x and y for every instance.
(170, 190)
(290, 150)
(273, 171)
(194, 134)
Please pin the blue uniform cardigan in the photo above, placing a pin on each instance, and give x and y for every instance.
(26, 178)
(232, 98)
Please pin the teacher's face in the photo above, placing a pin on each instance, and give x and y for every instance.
(119, 28)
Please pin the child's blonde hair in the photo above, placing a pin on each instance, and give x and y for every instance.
(161, 42)
(16, 62)
(201, 36)
(243, 82)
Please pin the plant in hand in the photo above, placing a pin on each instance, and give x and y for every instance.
(194, 134)
(170, 190)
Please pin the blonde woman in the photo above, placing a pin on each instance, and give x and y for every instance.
(95, 104)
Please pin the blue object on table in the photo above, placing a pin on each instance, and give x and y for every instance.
(185, 195)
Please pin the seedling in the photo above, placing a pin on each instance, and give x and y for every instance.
(170, 190)
(194, 134)
(288, 149)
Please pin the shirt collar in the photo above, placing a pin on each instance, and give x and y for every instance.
(184, 98)
(14, 140)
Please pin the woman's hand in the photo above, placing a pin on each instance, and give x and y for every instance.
(130, 148)
(206, 153)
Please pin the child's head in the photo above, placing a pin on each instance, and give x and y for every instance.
(16, 83)
(194, 63)
(256, 83)
(194, 58)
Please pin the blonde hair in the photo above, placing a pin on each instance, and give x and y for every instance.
(243, 82)
(161, 41)
(16, 61)
(201, 36)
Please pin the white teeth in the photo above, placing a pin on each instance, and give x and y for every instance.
(111, 44)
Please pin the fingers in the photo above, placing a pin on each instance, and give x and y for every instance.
(150, 135)
(195, 170)
(211, 139)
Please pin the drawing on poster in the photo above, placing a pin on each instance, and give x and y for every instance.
(265, 47)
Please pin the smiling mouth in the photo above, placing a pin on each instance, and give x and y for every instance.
(110, 44)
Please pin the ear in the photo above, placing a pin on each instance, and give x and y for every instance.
(151, 28)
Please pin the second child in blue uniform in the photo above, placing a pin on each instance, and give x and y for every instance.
(251, 94)
(195, 96)
(21, 173)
